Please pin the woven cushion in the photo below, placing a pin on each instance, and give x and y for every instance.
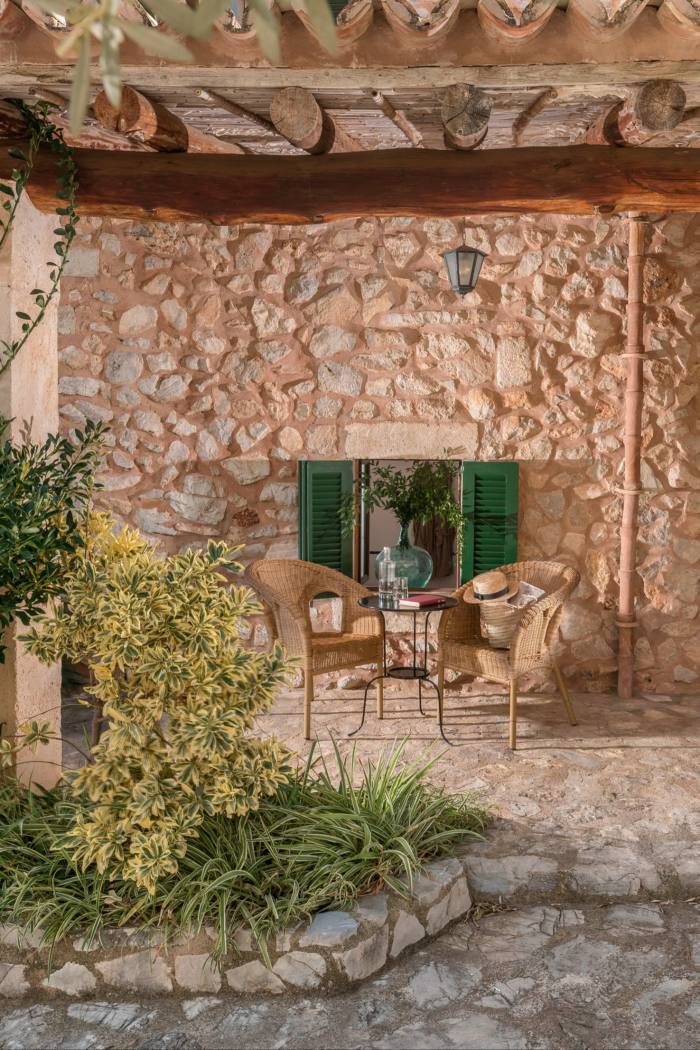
(333, 650)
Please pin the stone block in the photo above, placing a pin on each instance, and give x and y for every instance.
(254, 977)
(139, 972)
(301, 969)
(197, 973)
(82, 262)
(407, 931)
(366, 958)
(389, 440)
(13, 982)
(372, 909)
(452, 906)
(329, 929)
(72, 978)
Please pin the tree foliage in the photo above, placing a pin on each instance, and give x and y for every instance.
(417, 492)
(44, 494)
(179, 694)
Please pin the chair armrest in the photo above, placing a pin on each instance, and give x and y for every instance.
(530, 637)
(461, 624)
(356, 618)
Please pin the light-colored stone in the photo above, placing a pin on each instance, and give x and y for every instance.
(136, 320)
(407, 931)
(253, 977)
(13, 982)
(204, 510)
(405, 440)
(72, 978)
(329, 929)
(301, 969)
(247, 471)
(197, 973)
(513, 362)
(366, 958)
(139, 972)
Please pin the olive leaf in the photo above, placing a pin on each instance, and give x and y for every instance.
(80, 95)
(154, 42)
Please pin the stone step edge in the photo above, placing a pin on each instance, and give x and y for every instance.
(333, 951)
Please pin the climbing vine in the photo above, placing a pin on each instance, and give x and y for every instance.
(41, 133)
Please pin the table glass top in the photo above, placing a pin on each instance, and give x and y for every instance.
(371, 601)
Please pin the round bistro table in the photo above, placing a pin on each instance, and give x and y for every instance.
(414, 671)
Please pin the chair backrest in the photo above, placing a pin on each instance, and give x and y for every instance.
(287, 586)
(540, 621)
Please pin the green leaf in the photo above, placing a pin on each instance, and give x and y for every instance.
(323, 22)
(153, 42)
(80, 93)
(266, 27)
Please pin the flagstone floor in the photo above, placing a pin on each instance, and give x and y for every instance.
(592, 864)
(613, 977)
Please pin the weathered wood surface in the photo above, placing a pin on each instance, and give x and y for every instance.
(465, 111)
(228, 189)
(154, 125)
(302, 121)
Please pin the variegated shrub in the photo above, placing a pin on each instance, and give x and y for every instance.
(179, 694)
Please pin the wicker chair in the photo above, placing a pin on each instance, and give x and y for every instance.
(287, 587)
(462, 648)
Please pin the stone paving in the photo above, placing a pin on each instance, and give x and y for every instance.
(610, 807)
(614, 976)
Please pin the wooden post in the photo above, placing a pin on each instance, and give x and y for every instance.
(302, 121)
(29, 393)
(632, 438)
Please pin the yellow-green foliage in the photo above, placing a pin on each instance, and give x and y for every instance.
(179, 692)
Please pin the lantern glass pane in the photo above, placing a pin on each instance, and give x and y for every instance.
(451, 263)
(467, 259)
(478, 263)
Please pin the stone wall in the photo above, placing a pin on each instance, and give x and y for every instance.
(221, 356)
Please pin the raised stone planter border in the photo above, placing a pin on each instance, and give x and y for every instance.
(334, 950)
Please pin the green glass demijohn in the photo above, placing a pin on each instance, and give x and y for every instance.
(412, 562)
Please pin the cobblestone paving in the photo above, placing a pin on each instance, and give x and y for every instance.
(613, 976)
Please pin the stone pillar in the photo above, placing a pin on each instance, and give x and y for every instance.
(29, 392)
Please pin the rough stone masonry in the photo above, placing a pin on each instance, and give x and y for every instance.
(220, 356)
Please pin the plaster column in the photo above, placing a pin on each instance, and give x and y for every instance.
(29, 392)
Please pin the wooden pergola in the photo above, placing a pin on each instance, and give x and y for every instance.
(430, 108)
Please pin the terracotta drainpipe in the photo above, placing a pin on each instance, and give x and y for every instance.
(632, 436)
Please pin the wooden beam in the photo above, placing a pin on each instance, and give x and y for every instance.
(399, 118)
(659, 105)
(297, 116)
(153, 124)
(465, 112)
(575, 180)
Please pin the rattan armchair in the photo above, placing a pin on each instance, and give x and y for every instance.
(287, 587)
(462, 648)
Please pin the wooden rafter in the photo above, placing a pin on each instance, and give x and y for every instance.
(527, 115)
(658, 105)
(399, 118)
(465, 112)
(153, 124)
(428, 183)
(297, 116)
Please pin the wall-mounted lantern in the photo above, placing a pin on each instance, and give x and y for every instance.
(463, 268)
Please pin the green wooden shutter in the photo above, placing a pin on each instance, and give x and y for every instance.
(490, 501)
(322, 486)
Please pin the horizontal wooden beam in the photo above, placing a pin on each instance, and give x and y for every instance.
(229, 189)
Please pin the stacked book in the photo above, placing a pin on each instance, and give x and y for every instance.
(421, 601)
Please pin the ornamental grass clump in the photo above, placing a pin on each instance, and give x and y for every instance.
(333, 830)
(178, 694)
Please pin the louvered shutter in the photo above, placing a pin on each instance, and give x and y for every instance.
(322, 486)
(490, 502)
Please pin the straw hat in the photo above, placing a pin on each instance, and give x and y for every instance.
(490, 587)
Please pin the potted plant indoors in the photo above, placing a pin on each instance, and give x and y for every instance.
(416, 493)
